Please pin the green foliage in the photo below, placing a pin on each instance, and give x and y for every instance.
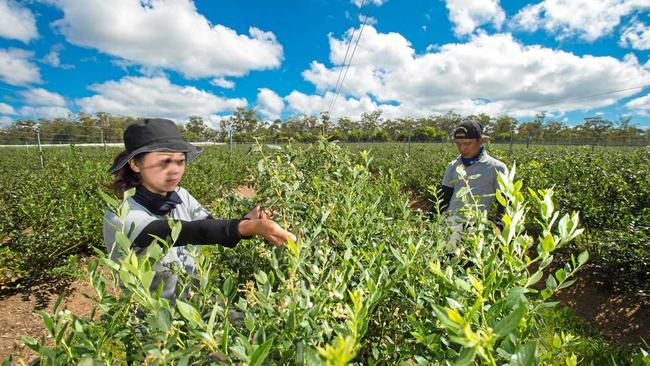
(52, 213)
(368, 281)
(609, 187)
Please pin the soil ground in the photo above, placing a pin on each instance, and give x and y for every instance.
(17, 317)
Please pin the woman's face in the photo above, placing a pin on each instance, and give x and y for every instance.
(160, 171)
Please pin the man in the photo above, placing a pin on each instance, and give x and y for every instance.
(475, 160)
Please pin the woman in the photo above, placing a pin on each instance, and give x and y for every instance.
(154, 163)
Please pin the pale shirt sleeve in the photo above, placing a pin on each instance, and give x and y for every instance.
(195, 209)
(136, 220)
(450, 176)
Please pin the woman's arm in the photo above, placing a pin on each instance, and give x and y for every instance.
(206, 231)
(210, 231)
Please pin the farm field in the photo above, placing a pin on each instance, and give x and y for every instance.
(369, 281)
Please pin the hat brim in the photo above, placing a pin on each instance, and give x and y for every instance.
(174, 145)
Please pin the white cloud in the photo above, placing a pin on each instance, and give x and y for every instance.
(53, 58)
(6, 121)
(6, 109)
(214, 120)
(301, 103)
(493, 74)
(48, 112)
(16, 69)
(641, 105)
(468, 15)
(42, 97)
(167, 34)
(358, 3)
(269, 104)
(368, 20)
(585, 19)
(223, 83)
(16, 21)
(636, 36)
(154, 97)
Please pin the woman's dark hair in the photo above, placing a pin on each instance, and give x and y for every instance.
(125, 178)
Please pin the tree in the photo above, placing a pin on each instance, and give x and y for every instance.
(197, 128)
(598, 126)
(503, 128)
(448, 123)
(244, 120)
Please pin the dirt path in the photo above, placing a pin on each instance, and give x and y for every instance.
(622, 314)
(17, 317)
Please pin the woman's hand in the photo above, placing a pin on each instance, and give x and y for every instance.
(256, 213)
(266, 228)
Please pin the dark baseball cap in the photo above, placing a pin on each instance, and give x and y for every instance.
(469, 129)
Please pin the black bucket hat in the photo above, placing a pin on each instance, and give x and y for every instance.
(154, 134)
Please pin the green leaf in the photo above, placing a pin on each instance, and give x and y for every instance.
(31, 343)
(566, 284)
(49, 323)
(466, 357)
(311, 356)
(441, 314)
(261, 277)
(516, 295)
(560, 275)
(122, 240)
(260, 353)
(525, 355)
(112, 202)
(500, 199)
(176, 227)
(462, 192)
(86, 361)
(548, 243)
(57, 303)
(583, 258)
(227, 286)
(189, 313)
(163, 320)
(534, 279)
(550, 282)
(506, 325)
(147, 278)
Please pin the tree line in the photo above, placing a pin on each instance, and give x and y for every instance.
(246, 125)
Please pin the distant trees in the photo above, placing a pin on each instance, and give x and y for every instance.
(246, 125)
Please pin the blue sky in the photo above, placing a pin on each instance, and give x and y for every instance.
(174, 58)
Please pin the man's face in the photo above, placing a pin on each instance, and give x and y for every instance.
(469, 147)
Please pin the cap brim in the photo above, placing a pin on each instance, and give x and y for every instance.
(191, 152)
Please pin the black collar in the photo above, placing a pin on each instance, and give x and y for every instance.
(157, 204)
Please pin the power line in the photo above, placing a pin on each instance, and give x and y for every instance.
(562, 100)
(354, 50)
(345, 58)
